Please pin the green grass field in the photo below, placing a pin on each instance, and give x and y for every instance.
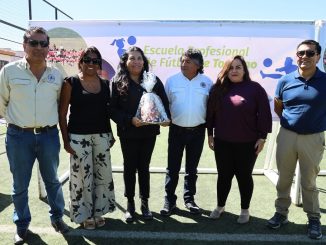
(180, 228)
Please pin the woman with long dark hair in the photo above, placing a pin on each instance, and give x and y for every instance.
(238, 121)
(137, 138)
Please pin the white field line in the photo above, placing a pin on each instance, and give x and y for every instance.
(170, 235)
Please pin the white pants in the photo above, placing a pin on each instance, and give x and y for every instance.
(91, 183)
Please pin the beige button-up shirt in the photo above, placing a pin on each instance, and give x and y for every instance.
(26, 102)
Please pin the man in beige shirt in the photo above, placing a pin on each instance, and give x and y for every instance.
(29, 93)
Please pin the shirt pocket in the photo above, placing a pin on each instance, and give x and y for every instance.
(53, 85)
(19, 82)
(19, 87)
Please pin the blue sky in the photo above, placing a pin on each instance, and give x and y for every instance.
(16, 11)
(194, 9)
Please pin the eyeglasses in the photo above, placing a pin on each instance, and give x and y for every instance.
(95, 61)
(35, 43)
(308, 53)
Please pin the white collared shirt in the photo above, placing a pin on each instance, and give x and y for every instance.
(188, 99)
(26, 102)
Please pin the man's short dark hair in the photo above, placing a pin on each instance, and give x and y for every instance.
(311, 42)
(35, 29)
(195, 54)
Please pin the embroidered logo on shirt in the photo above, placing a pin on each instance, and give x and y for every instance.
(203, 85)
(51, 78)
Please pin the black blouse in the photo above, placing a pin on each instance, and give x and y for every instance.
(124, 108)
(89, 112)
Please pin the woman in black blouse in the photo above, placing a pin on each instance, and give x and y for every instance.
(88, 138)
(137, 139)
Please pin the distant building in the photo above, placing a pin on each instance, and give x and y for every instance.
(8, 55)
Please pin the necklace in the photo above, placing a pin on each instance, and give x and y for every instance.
(91, 86)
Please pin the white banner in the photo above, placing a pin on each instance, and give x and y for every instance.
(267, 46)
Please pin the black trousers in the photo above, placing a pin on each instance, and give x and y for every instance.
(192, 140)
(235, 159)
(137, 154)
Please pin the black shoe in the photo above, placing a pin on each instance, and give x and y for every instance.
(168, 209)
(60, 226)
(130, 212)
(314, 229)
(193, 207)
(20, 236)
(277, 221)
(147, 214)
(129, 217)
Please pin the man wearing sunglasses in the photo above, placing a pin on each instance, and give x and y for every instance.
(301, 105)
(29, 94)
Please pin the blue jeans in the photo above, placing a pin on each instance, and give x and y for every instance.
(22, 150)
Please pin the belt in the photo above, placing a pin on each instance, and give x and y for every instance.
(190, 128)
(301, 133)
(38, 130)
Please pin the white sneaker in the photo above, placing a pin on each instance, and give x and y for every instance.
(216, 213)
(243, 218)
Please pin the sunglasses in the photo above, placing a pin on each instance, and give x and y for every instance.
(35, 43)
(308, 53)
(94, 61)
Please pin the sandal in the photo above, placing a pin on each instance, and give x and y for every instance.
(100, 221)
(89, 224)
